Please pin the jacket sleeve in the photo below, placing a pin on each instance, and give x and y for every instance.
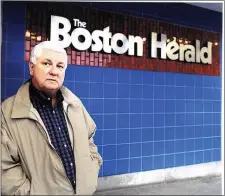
(91, 132)
(14, 180)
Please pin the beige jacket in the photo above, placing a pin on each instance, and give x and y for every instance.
(30, 164)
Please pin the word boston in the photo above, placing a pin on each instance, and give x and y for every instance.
(103, 40)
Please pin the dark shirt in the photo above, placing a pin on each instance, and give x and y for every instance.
(56, 125)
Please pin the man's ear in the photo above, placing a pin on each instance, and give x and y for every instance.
(31, 68)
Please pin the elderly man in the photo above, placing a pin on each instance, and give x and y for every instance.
(47, 134)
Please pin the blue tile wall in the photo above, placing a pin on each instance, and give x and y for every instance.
(146, 120)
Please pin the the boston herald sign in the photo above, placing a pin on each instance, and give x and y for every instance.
(103, 40)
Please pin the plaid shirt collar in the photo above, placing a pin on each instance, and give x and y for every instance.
(43, 98)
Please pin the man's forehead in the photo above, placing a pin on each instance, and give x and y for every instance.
(51, 54)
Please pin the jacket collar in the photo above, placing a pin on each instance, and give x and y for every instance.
(22, 106)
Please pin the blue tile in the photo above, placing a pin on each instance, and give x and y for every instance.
(208, 106)
(210, 94)
(70, 73)
(135, 120)
(159, 162)
(199, 131)
(136, 91)
(216, 155)
(123, 105)
(199, 118)
(179, 159)
(123, 151)
(208, 131)
(159, 106)
(123, 136)
(96, 90)
(180, 92)
(190, 106)
(170, 92)
(110, 90)
(159, 78)
(199, 144)
(208, 143)
(180, 106)
(70, 86)
(208, 118)
(15, 52)
(98, 121)
(109, 152)
(82, 89)
(216, 81)
(147, 106)
(135, 106)
(123, 90)
(170, 106)
(199, 157)
(199, 107)
(136, 77)
(110, 75)
(170, 79)
(98, 137)
(190, 79)
(217, 130)
(207, 81)
(217, 142)
(147, 163)
(123, 121)
(159, 134)
(189, 145)
(199, 93)
(147, 134)
(169, 161)
(147, 92)
(159, 92)
(135, 135)
(190, 92)
(217, 118)
(96, 74)
(123, 76)
(159, 120)
(189, 158)
(208, 156)
(147, 120)
(169, 133)
(109, 168)
(216, 94)
(189, 119)
(109, 121)
(148, 77)
(159, 148)
(169, 120)
(82, 73)
(135, 165)
(180, 119)
(16, 32)
(179, 132)
(109, 137)
(12, 86)
(147, 149)
(110, 106)
(96, 106)
(180, 79)
(169, 147)
(217, 106)
(179, 146)
(86, 103)
(123, 166)
(135, 150)
(189, 132)
(199, 80)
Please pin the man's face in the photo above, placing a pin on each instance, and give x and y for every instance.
(49, 71)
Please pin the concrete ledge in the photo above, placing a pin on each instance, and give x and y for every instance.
(156, 176)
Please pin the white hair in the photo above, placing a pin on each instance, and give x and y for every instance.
(36, 52)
